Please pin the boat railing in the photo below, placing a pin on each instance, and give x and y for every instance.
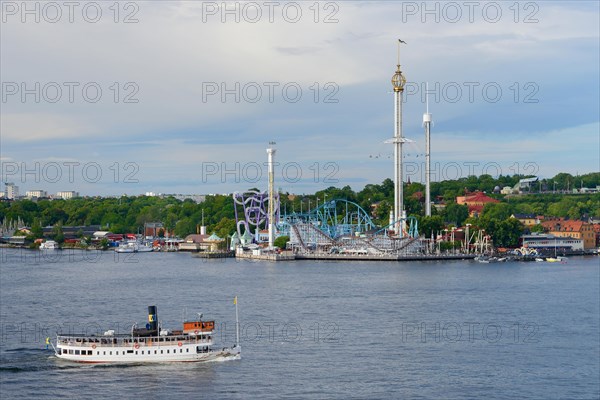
(122, 340)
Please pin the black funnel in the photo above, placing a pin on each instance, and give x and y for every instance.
(152, 319)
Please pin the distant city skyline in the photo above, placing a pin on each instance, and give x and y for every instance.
(165, 97)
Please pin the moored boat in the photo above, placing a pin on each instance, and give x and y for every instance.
(49, 245)
(150, 344)
(133, 247)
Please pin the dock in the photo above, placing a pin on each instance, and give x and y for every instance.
(214, 254)
(289, 256)
(283, 256)
(384, 257)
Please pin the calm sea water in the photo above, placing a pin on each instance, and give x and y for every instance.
(310, 329)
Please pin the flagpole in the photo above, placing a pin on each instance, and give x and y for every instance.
(237, 324)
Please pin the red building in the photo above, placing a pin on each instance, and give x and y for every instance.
(475, 202)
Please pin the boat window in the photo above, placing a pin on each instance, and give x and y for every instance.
(76, 352)
(89, 352)
(154, 351)
(187, 350)
(161, 352)
(168, 351)
(111, 353)
(97, 353)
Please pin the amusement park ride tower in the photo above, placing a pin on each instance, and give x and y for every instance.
(427, 124)
(398, 82)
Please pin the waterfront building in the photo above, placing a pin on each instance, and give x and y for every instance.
(576, 229)
(596, 228)
(194, 242)
(152, 229)
(72, 231)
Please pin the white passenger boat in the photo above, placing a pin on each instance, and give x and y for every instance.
(151, 344)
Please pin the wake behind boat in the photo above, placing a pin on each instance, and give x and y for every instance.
(150, 344)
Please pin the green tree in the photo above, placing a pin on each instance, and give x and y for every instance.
(57, 233)
(455, 213)
(225, 227)
(104, 244)
(184, 227)
(504, 233)
(427, 225)
(281, 241)
(497, 210)
(36, 230)
(536, 228)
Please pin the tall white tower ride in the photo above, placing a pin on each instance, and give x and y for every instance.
(427, 124)
(398, 82)
(271, 153)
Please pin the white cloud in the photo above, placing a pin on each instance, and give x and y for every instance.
(28, 127)
(171, 52)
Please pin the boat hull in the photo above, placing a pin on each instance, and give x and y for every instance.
(144, 354)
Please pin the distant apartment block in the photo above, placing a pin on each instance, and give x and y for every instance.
(197, 198)
(67, 195)
(12, 191)
(30, 194)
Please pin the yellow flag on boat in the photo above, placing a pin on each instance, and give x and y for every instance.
(235, 300)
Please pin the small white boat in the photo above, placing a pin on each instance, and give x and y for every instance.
(151, 344)
(125, 248)
(539, 259)
(144, 248)
(133, 247)
(49, 245)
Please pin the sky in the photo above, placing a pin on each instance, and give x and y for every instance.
(110, 98)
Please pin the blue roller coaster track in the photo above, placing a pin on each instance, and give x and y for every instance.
(339, 217)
